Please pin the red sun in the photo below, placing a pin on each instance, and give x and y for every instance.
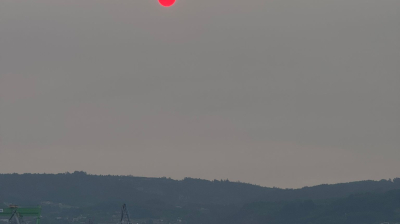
(166, 3)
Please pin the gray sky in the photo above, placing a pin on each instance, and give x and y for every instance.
(277, 93)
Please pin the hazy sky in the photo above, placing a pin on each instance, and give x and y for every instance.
(282, 93)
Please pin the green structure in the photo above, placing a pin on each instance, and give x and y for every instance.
(19, 213)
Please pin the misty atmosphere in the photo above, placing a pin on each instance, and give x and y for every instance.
(199, 111)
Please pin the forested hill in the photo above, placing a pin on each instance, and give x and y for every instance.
(363, 208)
(82, 190)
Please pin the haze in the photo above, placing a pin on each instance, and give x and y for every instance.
(276, 93)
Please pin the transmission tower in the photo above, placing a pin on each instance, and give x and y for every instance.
(17, 214)
(124, 213)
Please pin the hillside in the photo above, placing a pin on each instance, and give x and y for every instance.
(360, 208)
(200, 201)
(81, 189)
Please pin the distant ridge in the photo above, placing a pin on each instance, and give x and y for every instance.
(82, 189)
